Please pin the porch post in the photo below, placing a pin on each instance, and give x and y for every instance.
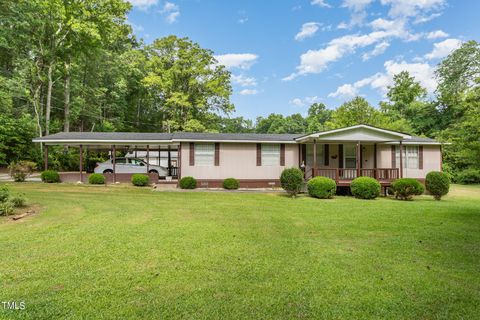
(401, 159)
(179, 161)
(358, 158)
(81, 163)
(148, 158)
(114, 152)
(135, 151)
(375, 160)
(169, 160)
(45, 155)
(314, 157)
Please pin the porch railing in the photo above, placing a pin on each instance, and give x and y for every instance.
(384, 174)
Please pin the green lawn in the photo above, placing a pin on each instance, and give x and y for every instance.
(123, 252)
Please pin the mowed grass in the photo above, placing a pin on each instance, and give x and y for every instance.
(121, 252)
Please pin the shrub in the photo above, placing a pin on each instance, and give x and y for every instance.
(50, 176)
(365, 188)
(406, 188)
(6, 208)
(18, 200)
(321, 187)
(291, 180)
(231, 184)
(469, 176)
(4, 193)
(20, 170)
(140, 180)
(188, 183)
(437, 183)
(96, 178)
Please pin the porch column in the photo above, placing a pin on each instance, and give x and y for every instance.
(375, 160)
(401, 159)
(359, 146)
(179, 162)
(135, 151)
(148, 158)
(314, 157)
(114, 152)
(169, 160)
(45, 159)
(81, 163)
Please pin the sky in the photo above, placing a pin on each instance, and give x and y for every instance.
(286, 55)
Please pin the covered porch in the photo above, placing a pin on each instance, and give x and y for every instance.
(345, 154)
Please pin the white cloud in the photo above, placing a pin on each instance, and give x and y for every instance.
(443, 49)
(437, 34)
(237, 60)
(242, 20)
(422, 72)
(143, 4)
(320, 3)
(298, 102)
(412, 8)
(308, 30)
(246, 92)
(426, 18)
(244, 81)
(359, 14)
(378, 50)
(171, 12)
(356, 5)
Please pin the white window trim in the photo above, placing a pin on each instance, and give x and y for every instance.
(273, 153)
(208, 153)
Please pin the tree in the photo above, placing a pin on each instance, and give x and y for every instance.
(185, 82)
(318, 115)
(353, 112)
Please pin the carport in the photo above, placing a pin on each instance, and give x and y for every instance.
(111, 142)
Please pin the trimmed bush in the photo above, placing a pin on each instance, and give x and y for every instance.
(406, 188)
(188, 183)
(96, 178)
(4, 193)
(6, 208)
(321, 187)
(291, 180)
(20, 170)
(437, 183)
(231, 184)
(140, 180)
(469, 176)
(50, 176)
(18, 200)
(365, 188)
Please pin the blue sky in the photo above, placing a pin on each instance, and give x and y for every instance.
(284, 55)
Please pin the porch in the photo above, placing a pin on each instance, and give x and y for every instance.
(343, 177)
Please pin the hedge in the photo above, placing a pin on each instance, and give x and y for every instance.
(468, 176)
(50, 176)
(231, 184)
(188, 183)
(140, 180)
(96, 178)
(406, 188)
(321, 187)
(365, 188)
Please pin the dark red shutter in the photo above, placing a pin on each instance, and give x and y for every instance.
(304, 153)
(282, 154)
(420, 157)
(192, 153)
(340, 155)
(394, 157)
(259, 154)
(326, 153)
(217, 154)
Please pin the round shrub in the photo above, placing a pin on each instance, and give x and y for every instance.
(291, 180)
(469, 176)
(406, 188)
(96, 178)
(321, 187)
(365, 188)
(188, 183)
(50, 176)
(437, 183)
(140, 180)
(231, 184)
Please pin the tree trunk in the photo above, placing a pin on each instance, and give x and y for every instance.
(66, 123)
(49, 99)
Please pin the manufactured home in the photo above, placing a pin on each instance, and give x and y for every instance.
(257, 160)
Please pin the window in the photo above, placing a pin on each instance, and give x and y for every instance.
(320, 157)
(350, 155)
(204, 154)
(270, 154)
(410, 157)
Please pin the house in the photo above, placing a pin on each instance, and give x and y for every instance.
(257, 160)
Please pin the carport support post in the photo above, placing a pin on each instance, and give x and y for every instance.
(169, 164)
(81, 162)
(45, 159)
(148, 158)
(113, 162)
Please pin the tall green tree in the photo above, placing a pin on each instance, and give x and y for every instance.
(318, 116)
(353, 112)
